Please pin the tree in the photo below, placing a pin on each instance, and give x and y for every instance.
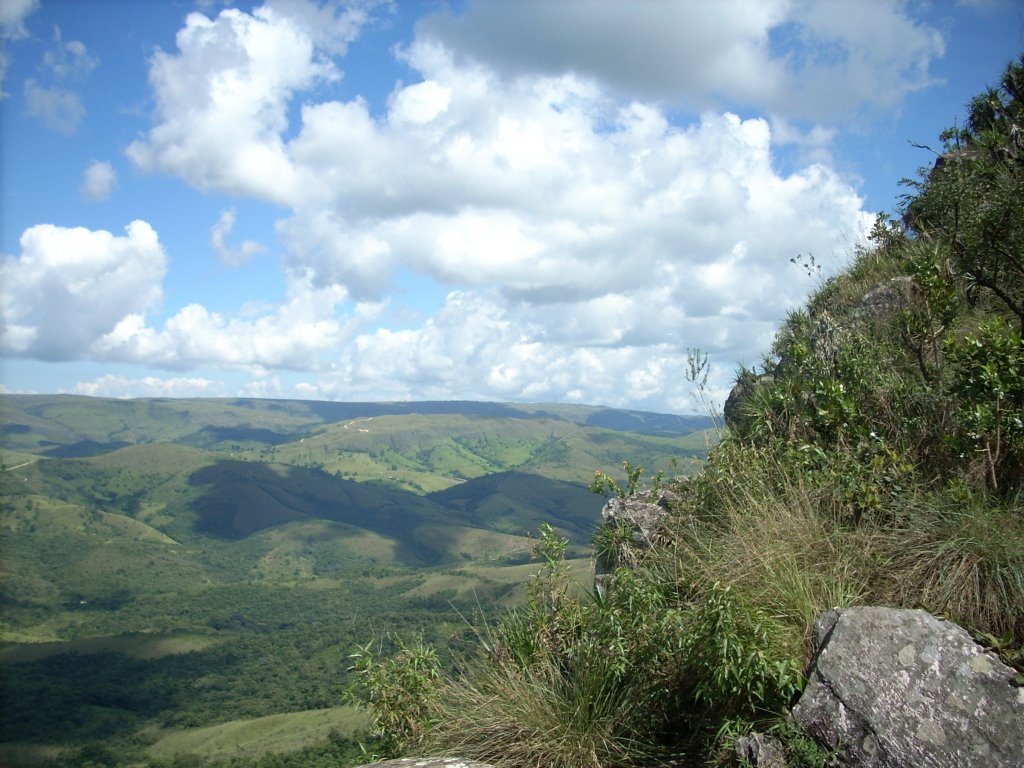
(971, 203)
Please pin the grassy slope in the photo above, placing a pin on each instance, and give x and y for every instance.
(286, 732)
(426, 453)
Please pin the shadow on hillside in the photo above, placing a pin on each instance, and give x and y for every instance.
(518, 502)
(242, 498)
(79, 697)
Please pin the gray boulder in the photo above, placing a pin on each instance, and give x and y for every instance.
(902, 689)
(644, 518)
(427, 762)
(759, 751)
(746, 385)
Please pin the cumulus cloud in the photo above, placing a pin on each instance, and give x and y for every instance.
(584, 240)
(295, 335)
(587, 240)
(222, 102)
(807, 59)
(98, 181)
(71, 286)
(233, 257)
(478, 347)
(332, 25)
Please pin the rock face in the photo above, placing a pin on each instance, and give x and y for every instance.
(744, 387)
(883, 303)
(759, 751)
(641, 516)
(427, 762)
(887, 299)
(901, 689)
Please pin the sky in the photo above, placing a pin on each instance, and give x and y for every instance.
(531, 200)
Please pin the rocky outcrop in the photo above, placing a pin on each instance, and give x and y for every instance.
(887, 299)
(427, 762)
(833, 327)
(745, 386)
(644, 521)
(901, 689)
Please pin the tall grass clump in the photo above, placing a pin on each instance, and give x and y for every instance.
(570, 679)
(962, 557)
(780, 545)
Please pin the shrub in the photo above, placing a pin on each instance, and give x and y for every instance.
(730, 656)
(397, 691)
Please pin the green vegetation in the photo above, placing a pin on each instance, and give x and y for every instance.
(877, 458)
(181, 581)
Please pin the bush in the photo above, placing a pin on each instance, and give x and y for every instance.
(397, 691)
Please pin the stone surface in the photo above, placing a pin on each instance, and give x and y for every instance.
(741, 391)
(638, 513)
(760, 751)
(902, 689)
(427, 762)
(887, 299)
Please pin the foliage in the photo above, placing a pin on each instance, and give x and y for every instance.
(889, 422)
(397, 691)
(987, 382)
(605, 485)
(570, 679)
(729, 648)
(970, 203)
(631, 677)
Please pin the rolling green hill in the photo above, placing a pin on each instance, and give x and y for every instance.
(175, 572)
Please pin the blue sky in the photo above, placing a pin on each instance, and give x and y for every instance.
(543, 200)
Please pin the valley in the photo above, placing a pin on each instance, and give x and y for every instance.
(168, 567)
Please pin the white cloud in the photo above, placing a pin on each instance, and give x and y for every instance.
(70, 286)
(111, 385)
(68, 60)
(817, 59)
(294, 336)
(98, 181)
(234, 257)
(585, 241)
(334, 24)
(59, 108)
(12, 27)
(222, 103)
(12, 17)
(478, 347)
